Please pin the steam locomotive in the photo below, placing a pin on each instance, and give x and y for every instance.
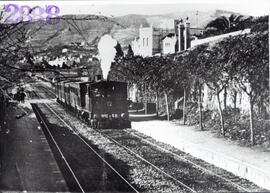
(101, 104)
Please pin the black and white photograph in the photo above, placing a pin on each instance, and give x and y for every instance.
(112, 96)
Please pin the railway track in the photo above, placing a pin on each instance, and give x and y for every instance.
(131, 140)
(160, 159)
(74, 169)
(84, 167)
(45, 91)
(242, 184)
(184, 186)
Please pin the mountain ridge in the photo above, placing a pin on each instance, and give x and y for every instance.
(73, 29)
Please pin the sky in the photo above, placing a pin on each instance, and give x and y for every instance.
(151, 7)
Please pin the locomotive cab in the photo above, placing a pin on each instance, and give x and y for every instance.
(108, 104)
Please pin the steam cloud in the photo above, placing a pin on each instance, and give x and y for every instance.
(107, 53)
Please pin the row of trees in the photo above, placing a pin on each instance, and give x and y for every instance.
(240, 63)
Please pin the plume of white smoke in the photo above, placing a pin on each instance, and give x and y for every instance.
(107, 53)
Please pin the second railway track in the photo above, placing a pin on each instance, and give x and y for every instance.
(173, 161)
(84, 166)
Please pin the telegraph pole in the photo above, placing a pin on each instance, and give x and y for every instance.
(197, 13)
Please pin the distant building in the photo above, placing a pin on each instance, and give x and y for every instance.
(183, 35)
(169, 44)
(135, 45)
(178, 41)
(149, 41)
(153, 41)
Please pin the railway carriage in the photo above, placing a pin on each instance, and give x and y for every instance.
(73, 95)
(102, 104)
(78, 92)
(62, 91)
(67, 93)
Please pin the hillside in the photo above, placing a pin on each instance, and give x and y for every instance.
(86, 30)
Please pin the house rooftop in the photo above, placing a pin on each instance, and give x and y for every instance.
(169, 35)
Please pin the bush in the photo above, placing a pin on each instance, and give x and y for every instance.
(260, 27)
(193, 116)
(236, 124)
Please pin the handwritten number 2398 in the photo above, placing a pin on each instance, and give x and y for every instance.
(32, 14)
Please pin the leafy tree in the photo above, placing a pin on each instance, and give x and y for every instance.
(250, 58)
(130, 52)
(158, 77)
(239, 62)
(218, 77)
(182, 80)
(119, 51)
(261, 24)
(224, 23)
(197, 64)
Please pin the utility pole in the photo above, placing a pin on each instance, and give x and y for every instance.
(197, 13)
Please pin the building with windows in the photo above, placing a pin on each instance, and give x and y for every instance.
(169, 44)
(153, 41)
(149, 41)
(179, 40)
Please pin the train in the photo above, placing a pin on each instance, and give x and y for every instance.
(102, 104)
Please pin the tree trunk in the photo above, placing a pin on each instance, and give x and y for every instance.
(251, 120)
(221, 115)
(200, 107)
(157, 103)
(234, 99)
(167, 106)
(184, 108)
(145, 107)
(145, 96)
(259, 104)
(225, 97)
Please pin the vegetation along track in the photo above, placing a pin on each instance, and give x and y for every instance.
(84, 167)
